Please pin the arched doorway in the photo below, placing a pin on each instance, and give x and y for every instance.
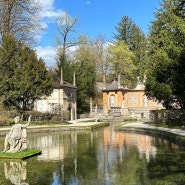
(70, 108)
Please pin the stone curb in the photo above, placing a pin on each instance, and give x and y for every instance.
(175, 135)
(75, 125)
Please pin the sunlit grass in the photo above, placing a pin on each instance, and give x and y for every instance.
(20, 155)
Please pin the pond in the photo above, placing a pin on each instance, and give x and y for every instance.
(99, 157)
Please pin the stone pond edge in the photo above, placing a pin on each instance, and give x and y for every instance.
(178, 139)
(57, 128)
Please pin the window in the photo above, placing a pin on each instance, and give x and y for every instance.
(112, 100)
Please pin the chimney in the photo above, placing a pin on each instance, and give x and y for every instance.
(104, 82)
(61, 77)
(138, 80)
(144, 80)
(119, 85)
(74, 79)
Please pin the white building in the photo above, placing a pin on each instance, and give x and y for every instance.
(62, 99)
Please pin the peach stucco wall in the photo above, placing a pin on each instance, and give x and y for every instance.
(134, 99)
(129, 99)
(105, 99)
(117, 96)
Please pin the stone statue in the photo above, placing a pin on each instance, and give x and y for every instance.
(15, 140)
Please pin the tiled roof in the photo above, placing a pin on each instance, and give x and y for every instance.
(114, 86)
(57, 84)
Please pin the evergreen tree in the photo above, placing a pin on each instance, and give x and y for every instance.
(165, 80)
(24, 78)
(125, 30)
(85, 68)
(136, 40)
(64, 63)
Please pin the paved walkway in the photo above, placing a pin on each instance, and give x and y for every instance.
(83, 122)
(148, 126)
(79, 123)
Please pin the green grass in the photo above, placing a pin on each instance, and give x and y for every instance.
(91, 120)
(20, 155)
(169, 125)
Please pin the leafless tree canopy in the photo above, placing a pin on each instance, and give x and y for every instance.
(67, 32)
(19, 18)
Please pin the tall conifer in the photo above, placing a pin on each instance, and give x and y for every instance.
(165, 81)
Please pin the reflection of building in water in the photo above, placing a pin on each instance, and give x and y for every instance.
(16, 172)
(56, 147)
(53, 153)
(144, 143)
(51, 146)
(145, 146)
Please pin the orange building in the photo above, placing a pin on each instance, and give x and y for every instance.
(121, 101)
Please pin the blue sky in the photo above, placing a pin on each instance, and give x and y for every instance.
(95, 17)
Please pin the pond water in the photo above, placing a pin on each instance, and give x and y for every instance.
(100, 157)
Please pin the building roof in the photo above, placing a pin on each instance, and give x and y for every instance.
(140, 86)
(58, 85)
(115, 86)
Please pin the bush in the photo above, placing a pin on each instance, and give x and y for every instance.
(168, 117)
(7, 117)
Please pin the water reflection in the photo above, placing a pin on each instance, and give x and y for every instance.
(16, 172)
(101, 157)
(145, 144)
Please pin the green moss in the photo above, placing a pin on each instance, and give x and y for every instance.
(20, 155)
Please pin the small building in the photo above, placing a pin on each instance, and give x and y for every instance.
(62, 99)
(122, 101)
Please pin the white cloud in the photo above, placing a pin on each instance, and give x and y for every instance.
(48, 15)
(47, 4)
(48, 54)
(52, 14)
(49, 10)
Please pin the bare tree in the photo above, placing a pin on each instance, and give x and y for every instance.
(66, 37)
(67, 33)
(102, 64)
(19, 18)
